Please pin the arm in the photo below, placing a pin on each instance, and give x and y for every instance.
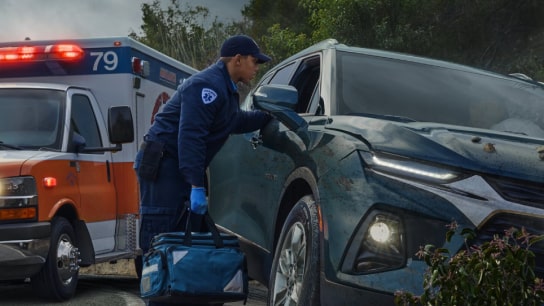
(196, 119)
(248, 121)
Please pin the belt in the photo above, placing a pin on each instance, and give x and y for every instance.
(165, 152)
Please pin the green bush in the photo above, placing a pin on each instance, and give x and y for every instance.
(498, 272)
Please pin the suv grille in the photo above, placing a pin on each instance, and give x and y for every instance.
(518, 191)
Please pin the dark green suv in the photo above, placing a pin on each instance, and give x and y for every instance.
(371, 155)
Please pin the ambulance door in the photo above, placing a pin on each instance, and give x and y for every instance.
(143, 117)
(146, 109)
(94, 171)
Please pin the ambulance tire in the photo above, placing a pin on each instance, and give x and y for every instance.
(57, 281)
(138, 264)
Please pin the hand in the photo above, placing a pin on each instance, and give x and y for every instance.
(199, 204)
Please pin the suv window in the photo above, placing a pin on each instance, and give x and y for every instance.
(283, 75)
(304, 79)
(425, 92)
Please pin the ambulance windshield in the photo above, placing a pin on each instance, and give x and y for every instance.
(31, 118)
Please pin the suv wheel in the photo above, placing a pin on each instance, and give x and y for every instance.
(294, 278)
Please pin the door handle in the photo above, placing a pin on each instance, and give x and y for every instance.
(75, 164)
(256, 140)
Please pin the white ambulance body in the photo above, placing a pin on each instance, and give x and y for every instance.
(72, 115)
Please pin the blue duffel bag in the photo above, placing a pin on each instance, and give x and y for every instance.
(194, 267)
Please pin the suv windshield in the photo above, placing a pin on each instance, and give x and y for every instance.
(425, 92)
(31, 118)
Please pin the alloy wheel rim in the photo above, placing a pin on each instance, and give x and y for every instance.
(291, 267)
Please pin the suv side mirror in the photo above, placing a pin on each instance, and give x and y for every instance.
(280, 101)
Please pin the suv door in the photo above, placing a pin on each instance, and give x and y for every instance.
(244, 176)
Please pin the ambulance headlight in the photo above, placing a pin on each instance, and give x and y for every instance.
(18, 192)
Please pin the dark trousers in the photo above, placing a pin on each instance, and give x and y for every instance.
(163, 204)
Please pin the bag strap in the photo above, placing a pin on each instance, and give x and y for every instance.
(188, 241)
(185, 210)
(149, 255)
(213, 229)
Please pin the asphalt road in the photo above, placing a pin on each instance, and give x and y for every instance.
(97, 290)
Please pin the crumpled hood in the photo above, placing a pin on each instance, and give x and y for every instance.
(12, 160)
(507, 155)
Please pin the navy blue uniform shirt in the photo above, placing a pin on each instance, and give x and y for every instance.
(198, 119)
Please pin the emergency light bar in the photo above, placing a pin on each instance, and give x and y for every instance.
(41, 53)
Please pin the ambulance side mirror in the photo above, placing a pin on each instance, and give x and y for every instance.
(120, 130)
(120, 125)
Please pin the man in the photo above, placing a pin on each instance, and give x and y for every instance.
(187, 134)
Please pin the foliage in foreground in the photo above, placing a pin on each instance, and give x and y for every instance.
(498, 272)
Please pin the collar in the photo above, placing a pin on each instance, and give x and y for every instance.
(233, 88)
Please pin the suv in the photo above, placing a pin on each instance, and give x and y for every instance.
(371, 155)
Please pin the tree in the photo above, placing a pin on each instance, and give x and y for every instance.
(282, 26)
(282, 14)
(500, 35)
(184, 33)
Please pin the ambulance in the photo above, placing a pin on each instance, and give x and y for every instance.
(72, 116)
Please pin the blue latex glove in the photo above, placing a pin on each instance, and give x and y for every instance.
(199, 204)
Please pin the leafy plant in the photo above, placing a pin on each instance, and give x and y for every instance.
(498, 272)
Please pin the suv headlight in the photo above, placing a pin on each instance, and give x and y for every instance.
(412, 169)
(387, 237)
(18, 198)
(379, 245)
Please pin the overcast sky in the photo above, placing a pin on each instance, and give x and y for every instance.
(52, 19)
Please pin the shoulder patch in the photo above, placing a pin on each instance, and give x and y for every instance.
(208, 95)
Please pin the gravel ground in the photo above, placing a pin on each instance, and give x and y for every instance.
(125, 268)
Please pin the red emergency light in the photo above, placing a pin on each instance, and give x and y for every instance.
(140, 67)
(41, 53)
(67, 52)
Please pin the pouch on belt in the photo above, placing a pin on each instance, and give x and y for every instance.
(152, 153)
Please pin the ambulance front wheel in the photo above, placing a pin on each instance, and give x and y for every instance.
(138, 264)
(58, 278)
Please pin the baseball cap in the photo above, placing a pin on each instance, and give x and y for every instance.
(243, 45)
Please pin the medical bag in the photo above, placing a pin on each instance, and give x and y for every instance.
(194, 267)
